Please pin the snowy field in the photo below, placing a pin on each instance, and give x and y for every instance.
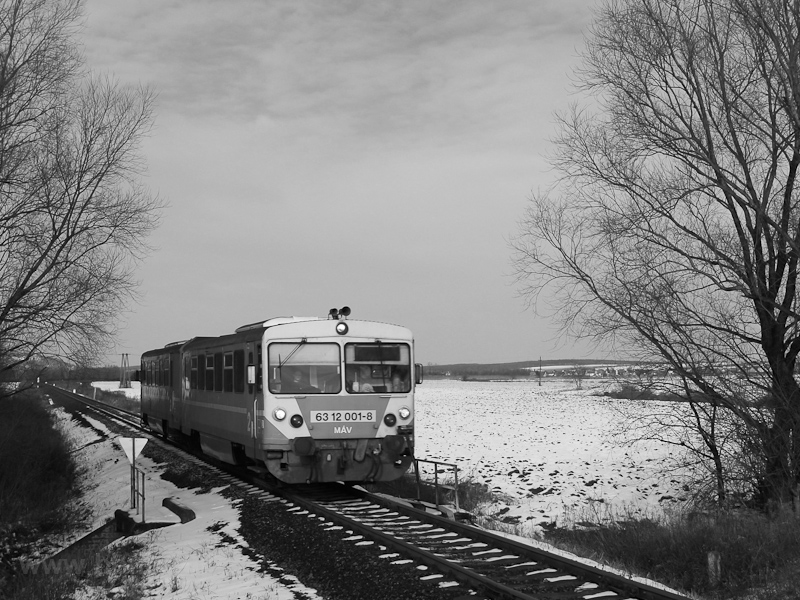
(548, 450)
(135, 391)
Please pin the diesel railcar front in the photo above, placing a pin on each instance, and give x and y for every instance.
(307, 399)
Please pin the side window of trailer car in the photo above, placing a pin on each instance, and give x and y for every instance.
(303, 368)
(377, 368)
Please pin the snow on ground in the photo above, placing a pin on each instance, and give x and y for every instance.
(191, 560)
(545, 449)
(548, 449)
(134, 391)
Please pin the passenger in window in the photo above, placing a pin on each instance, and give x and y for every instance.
(350, 378)
(274, 385)
(399, 380)
(362, 385)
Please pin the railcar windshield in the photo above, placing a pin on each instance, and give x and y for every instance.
(377, 368)
(304, 368)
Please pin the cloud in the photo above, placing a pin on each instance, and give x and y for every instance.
(324, 152)
(382, 68)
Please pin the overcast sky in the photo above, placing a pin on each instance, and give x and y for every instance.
(376, 154)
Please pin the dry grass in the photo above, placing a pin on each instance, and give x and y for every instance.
(118, 570)
(38, 476)
(36, 470)
(758, 554)
(470, 493)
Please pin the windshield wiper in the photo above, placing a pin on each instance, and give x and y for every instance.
(291, 354)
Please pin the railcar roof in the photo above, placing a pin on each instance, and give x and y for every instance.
(174, 347)
(245, 332)
(275, 321)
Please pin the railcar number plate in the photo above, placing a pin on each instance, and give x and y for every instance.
(343, 416)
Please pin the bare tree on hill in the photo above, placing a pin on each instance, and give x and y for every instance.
(73, 215)
(674, 229)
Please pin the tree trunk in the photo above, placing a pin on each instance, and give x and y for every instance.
(782, 453)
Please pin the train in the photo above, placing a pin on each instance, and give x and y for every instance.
(300, 399)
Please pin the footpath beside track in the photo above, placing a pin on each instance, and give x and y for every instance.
(458, 558)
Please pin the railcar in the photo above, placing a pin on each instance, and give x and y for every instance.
(306, 399)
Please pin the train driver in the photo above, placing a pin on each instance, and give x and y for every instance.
(295, 383)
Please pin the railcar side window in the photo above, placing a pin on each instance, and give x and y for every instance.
(218, 372)
(193, 376)
(377, 368)
(201, 372)
(227, 375)
(303, 368)
(209, 372)
(238, 371)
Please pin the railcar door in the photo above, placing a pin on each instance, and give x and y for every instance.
(256, 394)
(182, 388)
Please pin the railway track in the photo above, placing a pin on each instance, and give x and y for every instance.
(131, 419)
(483, 560)
(454, 553)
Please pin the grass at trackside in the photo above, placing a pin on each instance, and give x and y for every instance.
(36, 471)
(759, 556)
(38, 478)
(470, 493)
(119, 569)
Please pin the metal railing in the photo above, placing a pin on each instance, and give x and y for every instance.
(445, 486)
(137, 490)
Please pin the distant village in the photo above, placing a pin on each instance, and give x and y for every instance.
(576, 369)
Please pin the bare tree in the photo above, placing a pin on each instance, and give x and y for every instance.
(73, 215)
(673, 230)
(578, 374)
(712, 450)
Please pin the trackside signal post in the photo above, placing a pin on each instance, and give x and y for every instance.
(124, 373)
(132, 448)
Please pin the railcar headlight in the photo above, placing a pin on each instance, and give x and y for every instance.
(341, 328)
(390, 420)
(296, 420)
(404, 412)
(279, 414)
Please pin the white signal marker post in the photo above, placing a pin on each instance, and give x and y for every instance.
(132, 448)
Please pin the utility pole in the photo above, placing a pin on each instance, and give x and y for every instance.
(540, 371)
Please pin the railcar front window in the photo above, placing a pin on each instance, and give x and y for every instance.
(377, 368)
(303, 368)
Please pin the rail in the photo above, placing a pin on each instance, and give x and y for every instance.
(495, 566)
